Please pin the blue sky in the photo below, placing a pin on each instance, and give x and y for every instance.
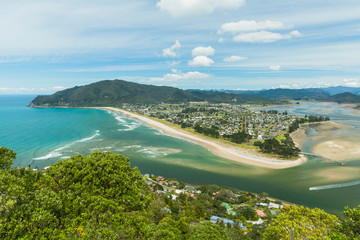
(48, 45)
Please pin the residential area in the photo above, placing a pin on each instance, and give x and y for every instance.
(211, 203)
(230, 122)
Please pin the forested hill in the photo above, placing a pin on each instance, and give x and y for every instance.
(345, 98)
(116, 92)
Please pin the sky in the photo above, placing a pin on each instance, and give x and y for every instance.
(48, 45)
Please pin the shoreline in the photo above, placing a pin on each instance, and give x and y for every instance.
(217, 147)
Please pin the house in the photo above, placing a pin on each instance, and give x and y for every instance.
(259, 221)
(260, 213)
(190, 188)
(173, 183)
(216, 219)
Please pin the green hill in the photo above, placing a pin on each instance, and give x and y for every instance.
(345, 98)
(113, 93)
(116, 92)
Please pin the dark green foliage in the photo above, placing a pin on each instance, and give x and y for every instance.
(208, 231)
(6, 158)
(285, 149)
(113, 93)
(345, 97)
(351, 225)
(91, 194)
(116, 92)
(307, 119)
(248, 212)
(101, 197)
(295, 94)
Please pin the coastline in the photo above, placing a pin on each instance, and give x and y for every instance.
(217, 147)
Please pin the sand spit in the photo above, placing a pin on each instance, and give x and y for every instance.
(219, 148)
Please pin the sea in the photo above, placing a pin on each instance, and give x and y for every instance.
(42, 136)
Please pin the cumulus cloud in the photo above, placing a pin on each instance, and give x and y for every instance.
(221, 40)
(169, 52)
(201, 61)
(235, 59)
(295, 33)
(178, 76)
(58, 88)
(203, 51)
(275, 68)
(261, 37)
(252, 26)
(352, 82)
(258, 32)
(179, 8)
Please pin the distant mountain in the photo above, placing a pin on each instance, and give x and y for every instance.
(116, 92)
(341, 89)
(345, 98)
(318, 94)
(294, 94)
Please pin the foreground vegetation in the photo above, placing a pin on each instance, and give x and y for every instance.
(100, 196)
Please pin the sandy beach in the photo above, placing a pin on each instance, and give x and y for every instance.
(219, 148)
(334, 141)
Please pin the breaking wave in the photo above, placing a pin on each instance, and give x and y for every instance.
(58, 152)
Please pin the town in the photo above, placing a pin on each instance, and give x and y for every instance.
(211, 203)
(220, 120)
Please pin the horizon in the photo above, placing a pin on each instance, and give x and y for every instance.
(233, 44)
(188, 89)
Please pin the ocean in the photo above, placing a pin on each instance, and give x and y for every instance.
(42, 136)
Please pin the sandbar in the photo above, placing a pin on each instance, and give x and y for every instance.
(222, 149)
(333, 141)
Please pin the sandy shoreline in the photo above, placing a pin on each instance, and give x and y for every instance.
(334, 141)
(219, 148)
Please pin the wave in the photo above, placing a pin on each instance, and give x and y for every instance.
(97, 133)
(49, 155)
(332, 186)
(129, 127)
(57, 152)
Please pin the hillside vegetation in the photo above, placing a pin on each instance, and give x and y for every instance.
(100, 196)
(116, 92)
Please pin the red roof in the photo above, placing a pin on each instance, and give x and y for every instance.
(260, 213)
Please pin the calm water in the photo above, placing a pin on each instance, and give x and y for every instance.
(42, 136)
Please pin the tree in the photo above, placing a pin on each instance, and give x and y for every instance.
(351, 225)
(6, 158)
(207, 231)
(301, 223)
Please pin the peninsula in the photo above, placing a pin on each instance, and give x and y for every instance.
(219, 148)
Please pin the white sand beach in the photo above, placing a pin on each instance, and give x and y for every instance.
(219, 148)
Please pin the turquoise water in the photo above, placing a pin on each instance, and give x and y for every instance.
(42, 136)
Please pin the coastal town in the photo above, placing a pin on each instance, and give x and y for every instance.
(230, 122)
(218, 205)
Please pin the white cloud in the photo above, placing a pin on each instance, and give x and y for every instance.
(179, 8)
(352, 82)
(58, 88)
(235, 59)
(261, 37)
(24, 90)
(221, 40)
(169, 52)
(203, 51)
(275, 67)
(201, 61)
(252, 26)
(178, 76)
(295, 33)
(173, 63)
